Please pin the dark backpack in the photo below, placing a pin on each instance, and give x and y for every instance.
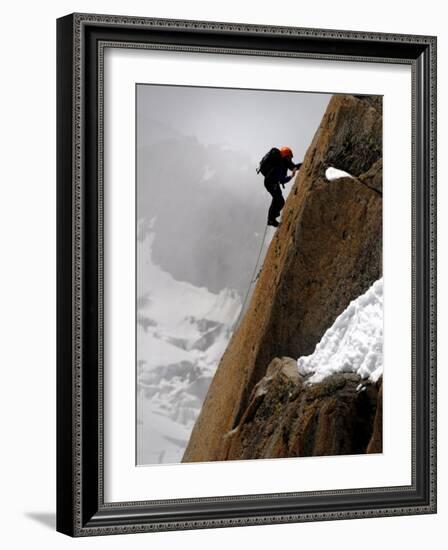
(269, 161)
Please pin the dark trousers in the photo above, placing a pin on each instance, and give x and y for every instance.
(278, 202)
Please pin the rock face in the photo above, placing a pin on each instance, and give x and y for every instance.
(327, 251)
(376, 440)
(288, 418)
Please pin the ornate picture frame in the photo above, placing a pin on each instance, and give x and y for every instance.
(81, 506)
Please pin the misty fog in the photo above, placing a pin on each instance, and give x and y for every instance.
(197, 151)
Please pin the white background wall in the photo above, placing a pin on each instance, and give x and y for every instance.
(27, 286)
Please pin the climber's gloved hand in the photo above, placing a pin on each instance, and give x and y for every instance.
(297, 168)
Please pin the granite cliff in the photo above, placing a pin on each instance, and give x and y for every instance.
(326, 253)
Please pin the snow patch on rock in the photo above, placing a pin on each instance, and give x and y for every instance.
(354, 343)
(332, 174)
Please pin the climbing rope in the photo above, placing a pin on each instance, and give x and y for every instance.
(255, 274)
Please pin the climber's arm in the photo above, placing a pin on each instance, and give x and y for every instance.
(285, 179)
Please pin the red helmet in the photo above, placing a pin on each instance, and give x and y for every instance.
(286, 152)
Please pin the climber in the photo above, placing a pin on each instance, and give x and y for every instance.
(274, 166)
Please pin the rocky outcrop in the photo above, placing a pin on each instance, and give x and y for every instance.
(327, 251)
(375, 101)
(286, 417)
(373, 178)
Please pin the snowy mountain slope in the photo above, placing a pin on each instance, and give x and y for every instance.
(182, 332)
(354, 343)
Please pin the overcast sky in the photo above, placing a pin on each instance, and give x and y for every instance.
(245, 120)
(197, 151)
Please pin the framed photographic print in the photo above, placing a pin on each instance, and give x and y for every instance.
(246, 274)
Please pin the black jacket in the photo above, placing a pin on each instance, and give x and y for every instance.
(279, 173)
